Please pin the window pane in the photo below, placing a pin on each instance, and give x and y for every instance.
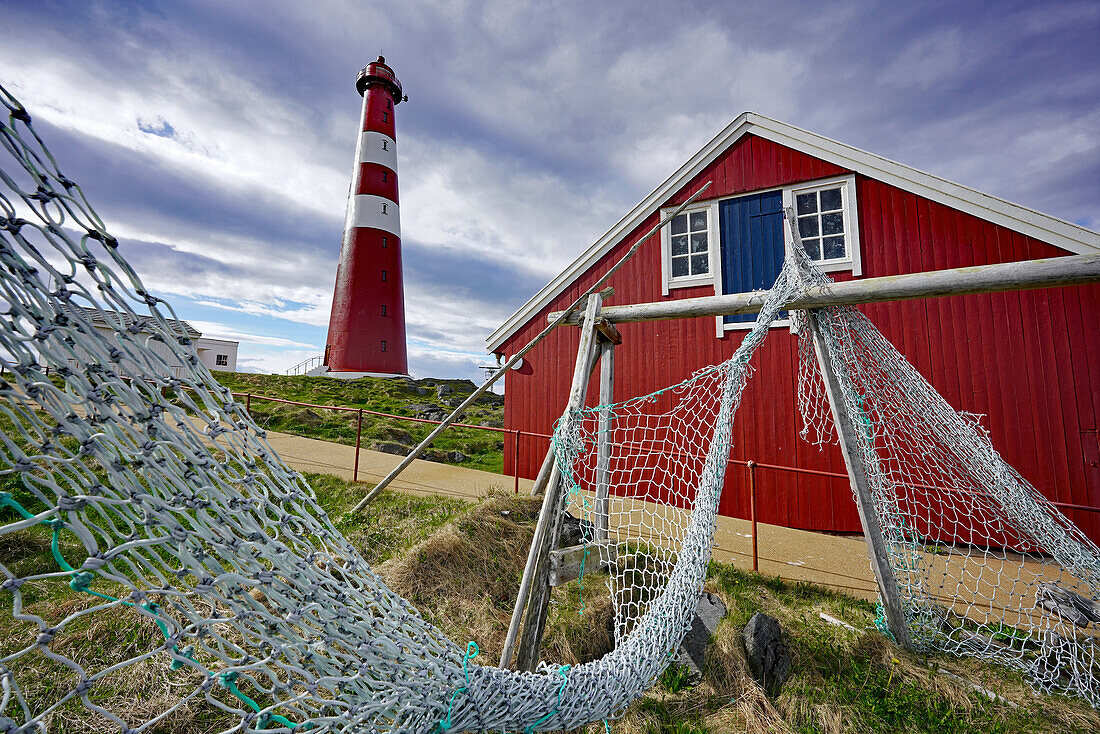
(830, 200)
(679, 267)
(680, 245)
(807, 203)
(680, 224)
(832, 223)
(834, 248)
(698, 221)
(699, 242)
(807, 226)
(813, 248)
(699, 264)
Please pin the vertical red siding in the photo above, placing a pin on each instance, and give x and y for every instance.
(1028, 361)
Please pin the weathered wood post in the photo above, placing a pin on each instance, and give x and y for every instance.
(857, 472)
(536, 574)
(603, 438)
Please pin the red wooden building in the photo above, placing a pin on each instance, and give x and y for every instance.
(1028, 361)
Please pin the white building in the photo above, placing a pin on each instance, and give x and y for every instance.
(219, 355)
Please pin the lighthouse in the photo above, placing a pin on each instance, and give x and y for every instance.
(366, 330)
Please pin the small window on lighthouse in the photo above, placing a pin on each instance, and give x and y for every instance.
(383, 345)
(385, 145)
(384, 209)
(384, 240)
(389, 104)
(383, 276)
(383, 310)
(385, 117)
(385, 176)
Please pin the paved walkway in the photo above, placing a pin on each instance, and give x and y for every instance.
(837, 562)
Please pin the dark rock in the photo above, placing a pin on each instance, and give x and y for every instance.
(769, 660)
(387, 447)
(456, 457)
(443, 391)
(708, 613)
(490, 398)
(422, 391)
(574, 531)
(418, 408)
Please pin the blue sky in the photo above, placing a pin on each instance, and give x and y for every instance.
(216, 138)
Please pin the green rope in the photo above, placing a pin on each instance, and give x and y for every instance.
(81, 582)
(471, 653)
(561, 671)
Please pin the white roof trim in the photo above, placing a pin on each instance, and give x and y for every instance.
(1051, 230)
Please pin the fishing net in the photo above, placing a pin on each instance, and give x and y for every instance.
(162, 567)
(984, 566)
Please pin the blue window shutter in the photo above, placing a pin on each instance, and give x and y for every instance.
(751, 235)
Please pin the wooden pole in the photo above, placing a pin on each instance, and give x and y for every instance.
(603, 438)
(1054, 272)
(543, 477)
(419, 449)
(536, 574)
(857, 473)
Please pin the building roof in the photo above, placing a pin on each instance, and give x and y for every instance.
(1060, 233)
(115, 319)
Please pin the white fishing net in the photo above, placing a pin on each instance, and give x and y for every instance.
(180, 539)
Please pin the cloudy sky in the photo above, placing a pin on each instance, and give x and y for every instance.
(216, 138)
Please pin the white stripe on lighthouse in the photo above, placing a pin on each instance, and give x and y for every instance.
(376, 147)
(368, 210)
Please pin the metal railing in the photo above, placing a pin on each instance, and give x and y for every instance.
(305, 365)
(518, 434)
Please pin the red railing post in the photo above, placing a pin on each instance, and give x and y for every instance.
(515, 459)
(358, 438)
(752, 511)
(248, 403)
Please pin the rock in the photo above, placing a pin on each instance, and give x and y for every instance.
(422, 391)
(443, 391)
(387, 447)
(769, 660)
(708, 613)
(490, 398)
(419, 408)
(397, 435)
(574, 531)
(456, 457)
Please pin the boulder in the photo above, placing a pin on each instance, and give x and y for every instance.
(387, 447)
(767, 654)
(708, 613)
(443, 391)
(456, 457)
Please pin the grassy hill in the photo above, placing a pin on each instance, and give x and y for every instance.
(397, 396)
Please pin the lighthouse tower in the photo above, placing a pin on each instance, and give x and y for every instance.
(366, 331)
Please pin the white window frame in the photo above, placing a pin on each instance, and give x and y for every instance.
(690, 281)
(851, 220)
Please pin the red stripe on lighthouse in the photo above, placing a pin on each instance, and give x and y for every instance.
(367, 325)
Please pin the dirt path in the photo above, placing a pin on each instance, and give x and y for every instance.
(837, 562)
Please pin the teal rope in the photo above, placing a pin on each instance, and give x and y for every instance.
(561, 671)
(81, 581)
(471, 653)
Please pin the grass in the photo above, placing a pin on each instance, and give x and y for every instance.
(460, 565)
(481, 449)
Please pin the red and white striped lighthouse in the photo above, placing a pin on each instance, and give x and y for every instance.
(366, 331)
